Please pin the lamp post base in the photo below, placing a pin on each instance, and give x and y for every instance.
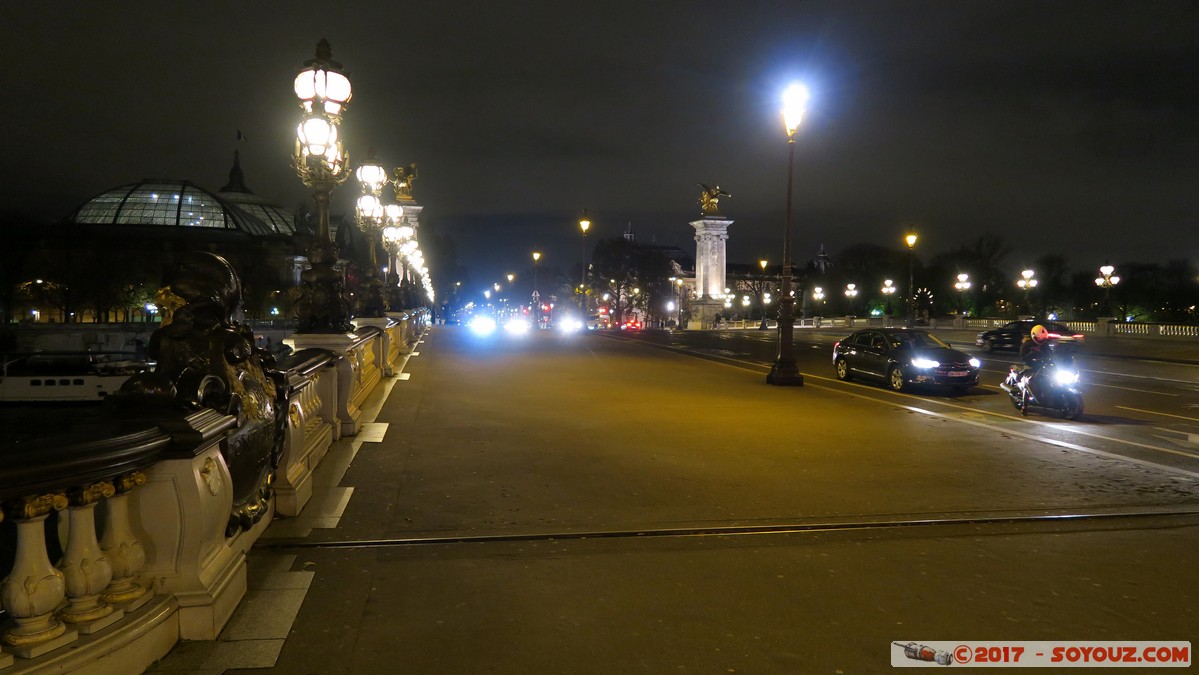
(784, 375)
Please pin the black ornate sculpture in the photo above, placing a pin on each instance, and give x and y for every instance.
(206, 360)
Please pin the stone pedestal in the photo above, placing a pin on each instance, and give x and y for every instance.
(703, 313)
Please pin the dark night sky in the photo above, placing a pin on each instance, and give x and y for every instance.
(1069, 127)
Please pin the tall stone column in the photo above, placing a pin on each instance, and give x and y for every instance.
(711, 235)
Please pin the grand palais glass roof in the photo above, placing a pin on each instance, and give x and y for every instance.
(182, 204)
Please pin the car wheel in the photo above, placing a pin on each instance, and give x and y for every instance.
(895, 379)
(842, 370)
(988, 345)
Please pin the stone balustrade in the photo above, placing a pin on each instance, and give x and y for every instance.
(115, 538)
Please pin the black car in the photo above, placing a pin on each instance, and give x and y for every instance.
(902, 357)
(1009, 335)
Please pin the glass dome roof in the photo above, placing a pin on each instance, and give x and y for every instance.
(174, 203)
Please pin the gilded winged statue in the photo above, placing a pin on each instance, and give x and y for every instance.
(709, 199)
(404, 178)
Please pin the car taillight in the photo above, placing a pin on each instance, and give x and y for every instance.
(836, 344)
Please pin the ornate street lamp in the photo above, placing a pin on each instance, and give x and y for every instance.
(785, 372)
(394, 237)
(1026, 282)
(322, 164)
(851, 292)
(1106, 281)
(888, 290)
(911, 239)
(371, 214)
(962, 285)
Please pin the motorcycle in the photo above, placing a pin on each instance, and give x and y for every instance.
(1054, 385)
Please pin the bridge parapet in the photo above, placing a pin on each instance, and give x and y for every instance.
(185, 469)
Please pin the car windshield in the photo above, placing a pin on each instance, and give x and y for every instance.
(914, 341)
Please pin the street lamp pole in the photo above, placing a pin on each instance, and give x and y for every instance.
(536, 296)
(584, 225)
(762, 263)
(911, 242)
(785, 372)
(963, 285)
(1106, 281)
(1027, 283)
(322, 164)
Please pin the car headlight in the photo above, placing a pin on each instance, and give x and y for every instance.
(517, 326)
(482, 325)
(975, 363)
(1065, 377)
(924, 363)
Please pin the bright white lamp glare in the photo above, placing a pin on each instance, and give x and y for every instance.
(795, 103)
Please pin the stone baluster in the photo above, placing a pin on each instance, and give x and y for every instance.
(34, 588)
(124, 550)
(84, 565)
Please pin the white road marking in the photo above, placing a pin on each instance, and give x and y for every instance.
(1154, 412)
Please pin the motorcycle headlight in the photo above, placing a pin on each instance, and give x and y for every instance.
(1065, 377)
(924, 363)
(975, 363)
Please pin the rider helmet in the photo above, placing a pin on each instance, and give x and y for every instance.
(1039, 333)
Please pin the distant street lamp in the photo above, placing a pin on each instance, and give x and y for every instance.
(962, 285)
(1026, 284)
(762, 264)
(785, 372)
(322, 164)
(584, 225)
(888, 290)
(851, 292)
(536, 296)
(911, 239)
(1106, 281)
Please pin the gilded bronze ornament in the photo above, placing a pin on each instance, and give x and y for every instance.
(709, 199)
(207, 360)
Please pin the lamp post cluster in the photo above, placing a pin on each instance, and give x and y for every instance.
(321, 162)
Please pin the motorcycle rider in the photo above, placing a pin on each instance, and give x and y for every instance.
(1033, 351)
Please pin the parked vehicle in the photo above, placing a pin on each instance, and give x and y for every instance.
(1009, 335)
(1053, 386)
(901, 357)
